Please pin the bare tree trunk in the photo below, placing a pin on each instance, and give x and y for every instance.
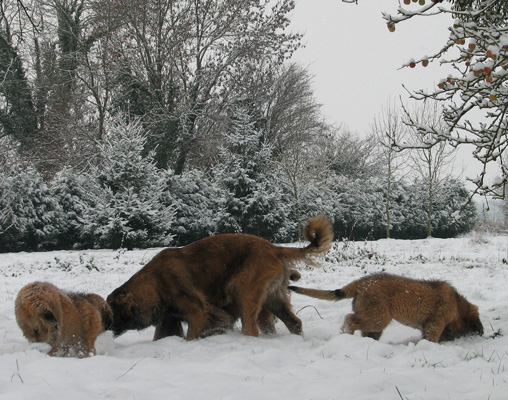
(431, 198)
(388, 197)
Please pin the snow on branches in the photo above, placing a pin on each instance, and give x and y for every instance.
(475, 95)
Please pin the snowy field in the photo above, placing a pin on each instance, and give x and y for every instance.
(323, 364)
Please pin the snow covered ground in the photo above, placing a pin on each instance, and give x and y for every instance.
(323, 364)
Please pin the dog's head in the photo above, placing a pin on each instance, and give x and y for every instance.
(471, 321)
(467, 324)
(40, 328)
(127, 312)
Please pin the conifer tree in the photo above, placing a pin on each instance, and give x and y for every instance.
(127, 206)
(254, 200)
(31, 215)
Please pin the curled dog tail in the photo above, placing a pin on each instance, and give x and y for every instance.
(318, 231)
(337, 294)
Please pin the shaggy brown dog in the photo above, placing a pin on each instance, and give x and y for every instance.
(212, 282)
(433, 307)
(68, 322)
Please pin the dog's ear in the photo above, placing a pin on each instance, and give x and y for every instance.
(126, 312)
(123, 302)
(48, 316)
(129, 302)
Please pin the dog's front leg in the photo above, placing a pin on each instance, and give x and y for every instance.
(168, 326)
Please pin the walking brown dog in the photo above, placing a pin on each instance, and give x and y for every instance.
(68, 322)
(433, 307)
(213, 281)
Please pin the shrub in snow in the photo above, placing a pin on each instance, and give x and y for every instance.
(196, 200)
(414, 206)
(361, 214)
(69, 190)
(30, 214)
(319, 197)
(449, 198)
(447, 221)
(360, 211)
(126, 207)
(254, 201)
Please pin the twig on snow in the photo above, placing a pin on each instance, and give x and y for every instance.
(313, 308)
(130, 369)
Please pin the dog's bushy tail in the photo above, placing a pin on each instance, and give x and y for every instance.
(318, 231)
(337, 294)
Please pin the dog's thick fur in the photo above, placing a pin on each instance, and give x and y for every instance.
(433, 307)
(213, 281)
(68, 322)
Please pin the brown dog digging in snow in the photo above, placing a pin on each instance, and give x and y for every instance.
(68, 322)
(433, 307)
(212, 282)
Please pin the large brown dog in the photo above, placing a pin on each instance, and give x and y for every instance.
(433, 307)
(69, 322)
(212, 282)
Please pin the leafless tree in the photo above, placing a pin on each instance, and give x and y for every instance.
(389, 129)
(192, 58)
(474, 95)
(432, 164)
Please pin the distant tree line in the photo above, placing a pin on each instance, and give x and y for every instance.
(125, 200)
(134, 123)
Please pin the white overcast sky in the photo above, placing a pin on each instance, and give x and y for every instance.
(355, 60)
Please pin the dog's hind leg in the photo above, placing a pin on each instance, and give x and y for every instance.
(249, 294)
(266, 321)
(350, 325)
(282, 310)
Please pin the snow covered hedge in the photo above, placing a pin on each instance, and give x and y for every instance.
(125, 201)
